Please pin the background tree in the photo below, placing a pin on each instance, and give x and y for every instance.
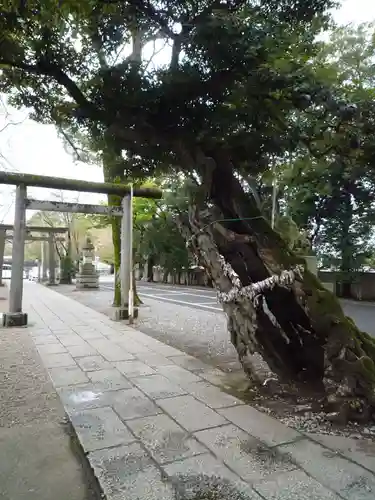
(331, 196)
(156, 238)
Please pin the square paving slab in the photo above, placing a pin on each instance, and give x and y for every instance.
(100, 428)
(245, 455)
(157, 386)
(295, 485)
(69, 375)
(165, 440)
(110, 380)
(128, 473)
(204, 477)
(190, 413)
(132, 403)
(260, 425)
(327, 467)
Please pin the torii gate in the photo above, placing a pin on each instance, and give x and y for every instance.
(15, 316)
(50, 231)
(50, 239)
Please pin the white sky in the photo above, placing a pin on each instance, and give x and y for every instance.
(34, 148)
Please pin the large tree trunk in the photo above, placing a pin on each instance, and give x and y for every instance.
(110, 170)
(150, 268)
(347, 261)
(284, 313)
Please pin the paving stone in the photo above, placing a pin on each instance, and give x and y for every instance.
(100, 428)
(112, 335)
(89, 334)
(361, 451)
(117, 470)
(110, 351)
(134, 335)
(259, 425)
(189, 362)
(164, 439)
(346, 478)
(204, 477)
(69, 375)
(179, 375)
(93, 363)
(154, 359)
(132, 403)
(109, 379)
(212, 396)
(84, 328)
(57, 360)
(295, 485)
(146, 485)
(157, 386)
(133, 347)
(35, 332)
(45, 340)
(190, 413)
(134, 368)
(61, 330)
(84, 397)
(245, 455)
(51, 349)
(70, 340)
(80, 351)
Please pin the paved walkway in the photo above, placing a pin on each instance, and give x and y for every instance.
(155, 426)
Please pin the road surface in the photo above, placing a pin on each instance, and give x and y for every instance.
(363, 313)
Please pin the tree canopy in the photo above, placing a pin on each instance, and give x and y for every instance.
(235, 73)
(331, 196)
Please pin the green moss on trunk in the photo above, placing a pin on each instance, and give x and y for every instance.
(66, 270)
(110, 169)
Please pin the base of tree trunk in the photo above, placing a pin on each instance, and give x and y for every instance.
(277, 308)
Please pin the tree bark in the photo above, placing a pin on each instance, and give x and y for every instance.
(110, 170)
(296, 325)
(150, 268)
(347, 264)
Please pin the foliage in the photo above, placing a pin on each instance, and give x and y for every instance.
(225, 85)
(155, 231)
(227, 82)
(331, 195)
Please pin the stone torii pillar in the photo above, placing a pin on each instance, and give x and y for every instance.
(51, 261)
(15, 316)
(2, 250)
(44, 252)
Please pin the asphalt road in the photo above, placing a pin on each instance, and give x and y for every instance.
(363, 313)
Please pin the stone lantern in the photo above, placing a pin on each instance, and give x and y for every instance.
(87, 276)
